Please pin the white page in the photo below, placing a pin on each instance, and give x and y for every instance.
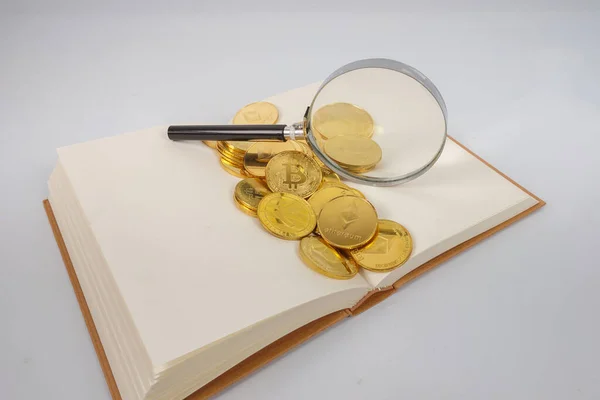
(192, 268)
(156, 204)
(459, 198)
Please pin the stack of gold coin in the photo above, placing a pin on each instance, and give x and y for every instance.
(342, 119)
(297, 198)
(343, 132)
(230, 160)
(353, 153)
(248, 193)
(231, 152)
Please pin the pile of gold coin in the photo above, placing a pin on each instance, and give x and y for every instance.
(344, 132)
(297, 198)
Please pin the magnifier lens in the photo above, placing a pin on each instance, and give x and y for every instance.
(377, 125)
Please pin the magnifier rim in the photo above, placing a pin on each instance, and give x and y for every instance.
(393, 65)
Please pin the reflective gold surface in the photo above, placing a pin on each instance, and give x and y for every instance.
(347, 222)
(353, 152)
(391, 248)
(260, 153)
(342, 119)
(261, 113)
(286, 215)
(293, 172)
(329, 176)
(340, 184)
(325, 260)
(243, 208)
(250, 191)
(210, 143)
(323, 196)
(232, 169)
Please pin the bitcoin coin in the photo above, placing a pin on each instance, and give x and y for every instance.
(257, 113)
(325, 260)
(243, 208)
(353, 152)
(342, 119)
(286, 215)
(323, 196)
(232, 169)
(389, 249)
(293, 172)
(250, 191)
(260, 153)
(329, 176)
(347, 222)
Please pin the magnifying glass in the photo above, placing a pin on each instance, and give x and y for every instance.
(376, 121)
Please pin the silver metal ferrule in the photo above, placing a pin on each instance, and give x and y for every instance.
(294, 131)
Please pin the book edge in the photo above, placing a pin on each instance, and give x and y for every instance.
(294, 338)
(87, 315)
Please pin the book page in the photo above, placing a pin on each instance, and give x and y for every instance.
(192, 269)
(459, 198)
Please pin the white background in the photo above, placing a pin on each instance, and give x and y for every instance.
(516, 317)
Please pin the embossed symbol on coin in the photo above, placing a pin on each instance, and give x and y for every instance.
(285, 213)
(251, 192)
(381, 245)
(325, 258)
(252, 116)
(349, 215)
(290, 175)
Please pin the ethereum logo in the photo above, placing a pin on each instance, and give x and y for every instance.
(349, 215)
(252, 116)
(380, 246)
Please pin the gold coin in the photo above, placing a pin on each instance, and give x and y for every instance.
(238, 148)
(358, 170)
(250, 191)
(293, 172)
(353, 151)
(347, 222)
(342, 119)
(210, 143)
(286, 215)
(232, 169)
(243, 208)
(329, 176)
(232, 161)
(323, 196)
(340, 184)
(260, 153)
(261, 113)
(389, 249)
(325, 260)
(302, 147)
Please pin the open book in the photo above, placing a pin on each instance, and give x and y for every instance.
(179, 287)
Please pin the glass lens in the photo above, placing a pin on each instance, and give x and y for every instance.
(376, 124)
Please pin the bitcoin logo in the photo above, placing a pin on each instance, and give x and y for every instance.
(293, 176)
(293, 172)
(251, 192)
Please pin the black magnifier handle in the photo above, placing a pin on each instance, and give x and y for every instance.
(226, 132)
